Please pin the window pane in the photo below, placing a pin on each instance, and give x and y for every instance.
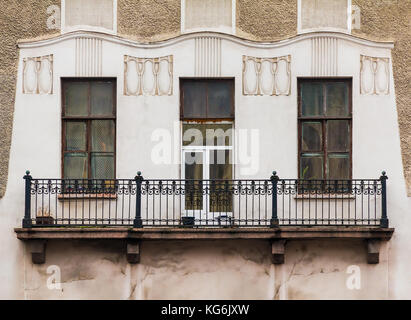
(337, 99)
(102, 98)
(338, 135)
(75, 166)
(76, 98)
(219, 99)
(76, 133)
(221, 168)
(102, 166)
(311, 166)
(312, 136)
(194, 99)
(311, 99)
(193, 169)
(207, 134)
(102, 135)
(338, 166)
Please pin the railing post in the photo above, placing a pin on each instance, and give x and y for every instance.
(274, 218)
(138, 223)
(384, 218)
(27, 223)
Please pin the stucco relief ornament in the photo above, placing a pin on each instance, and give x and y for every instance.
(375, 76)
(148, 76)
(267, 76)
(38, 75)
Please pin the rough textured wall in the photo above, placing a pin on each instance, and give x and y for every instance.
(18, 20)
(149, 20)
(266, 20)
(391, 20)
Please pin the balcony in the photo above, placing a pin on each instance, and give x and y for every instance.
(151, 209)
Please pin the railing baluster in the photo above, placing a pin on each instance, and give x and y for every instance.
(384, 218)
(138, 223)
(27, 223)
(274, 218)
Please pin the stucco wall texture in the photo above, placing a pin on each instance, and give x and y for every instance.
(18, 20)
(153, 20)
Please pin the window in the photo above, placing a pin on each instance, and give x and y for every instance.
(207, 112)
(89, 128)
(325, 129)
(333, 15)
(206, 15)
(207, 99)
(93, 15)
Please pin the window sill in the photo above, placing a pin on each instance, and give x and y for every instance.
(80, 196)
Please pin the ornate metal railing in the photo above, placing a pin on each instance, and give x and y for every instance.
(141, 202)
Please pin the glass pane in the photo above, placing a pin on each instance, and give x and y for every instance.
(102, 135)
(220, 99)
(76, 98)
(207, 134)
(76, 133)
(312, 99)
(337, 99)
(338, 166)
(312, 136)
(193, 169)
(102, 166)
(102, 98)
(311, 166)
(75, 166)
(194, 99)
(338, 135)
(221, 198)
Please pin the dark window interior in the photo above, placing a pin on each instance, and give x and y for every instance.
(207, 99)
(325, 129)
(89, 128)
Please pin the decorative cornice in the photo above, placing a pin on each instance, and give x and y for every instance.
(183, 37)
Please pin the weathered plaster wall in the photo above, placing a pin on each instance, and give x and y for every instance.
(149, 20)
(265, 20)
(205, 270)
(391, 20)
(18, 20)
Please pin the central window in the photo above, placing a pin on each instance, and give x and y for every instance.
(89, 128)
(207, 113)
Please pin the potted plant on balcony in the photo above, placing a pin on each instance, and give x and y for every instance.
(44, 217)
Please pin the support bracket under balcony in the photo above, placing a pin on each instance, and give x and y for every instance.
(133, 251)
(373, 251)
(37, 248)
(278, 251)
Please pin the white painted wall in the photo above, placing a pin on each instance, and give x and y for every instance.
(36, 139)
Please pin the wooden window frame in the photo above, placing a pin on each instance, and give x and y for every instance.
(88, 120)
(323, 119)
(205, 79)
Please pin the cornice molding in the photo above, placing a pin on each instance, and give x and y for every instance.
(169, 42)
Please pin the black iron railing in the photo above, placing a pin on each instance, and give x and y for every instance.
(143, 202)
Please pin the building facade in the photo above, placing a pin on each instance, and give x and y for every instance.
(213, 149)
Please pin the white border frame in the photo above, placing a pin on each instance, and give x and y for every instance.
(325, 29)
(65, 29)
(228, 30)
